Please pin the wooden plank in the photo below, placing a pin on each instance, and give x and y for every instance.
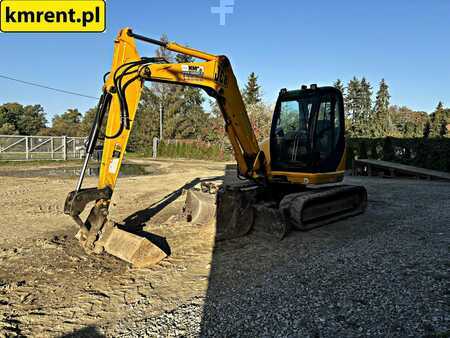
(408, 169)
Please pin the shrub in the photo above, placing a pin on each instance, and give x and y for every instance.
(431, 153)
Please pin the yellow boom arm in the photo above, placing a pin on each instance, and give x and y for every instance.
(214, 75)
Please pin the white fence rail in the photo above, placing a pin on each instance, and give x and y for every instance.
(23, 148)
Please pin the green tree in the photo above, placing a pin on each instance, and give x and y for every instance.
(339, 85)
(252, 90)
(381, 122)
(9, 113)
(169, 96)
(183, 113)
(354, 107)
(8, 129)
(32, 120)
(366, 103)
(146, 122)
(353, 99)
(439, 121)
(216, 131)
(68, 123)
(427, 129)
(443, 129)
(191, 119)
(88, 120)
(260, 116)
(26, 120)
(406, 122)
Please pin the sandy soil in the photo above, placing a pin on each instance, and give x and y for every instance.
(49, 286)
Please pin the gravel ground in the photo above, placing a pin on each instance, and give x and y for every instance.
(385, 273)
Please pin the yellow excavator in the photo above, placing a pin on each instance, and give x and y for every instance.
(291, 180)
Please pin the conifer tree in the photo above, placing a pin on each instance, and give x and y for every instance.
(427, 129)
(438, 121)
(168, 95)
(339, 85)
(252, 90)
(353, 107)
(443, 129)
(381, 123)
(354, 99)
(366, 101)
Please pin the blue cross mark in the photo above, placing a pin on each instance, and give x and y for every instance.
(225, 7)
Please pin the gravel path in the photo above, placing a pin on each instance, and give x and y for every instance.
(385, 273)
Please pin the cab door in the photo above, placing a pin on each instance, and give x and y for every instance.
(307, 132)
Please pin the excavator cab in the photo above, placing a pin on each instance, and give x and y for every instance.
(307, 133)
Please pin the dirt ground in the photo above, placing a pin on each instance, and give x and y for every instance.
(50, 287)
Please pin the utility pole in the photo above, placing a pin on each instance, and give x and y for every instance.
(160, 121)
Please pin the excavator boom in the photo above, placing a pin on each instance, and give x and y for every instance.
(214, 75)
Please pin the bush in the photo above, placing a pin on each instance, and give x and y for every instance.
(193, 149)
(428, 153)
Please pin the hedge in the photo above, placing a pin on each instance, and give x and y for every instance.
(426, 153)
(431, 153)
(193, 149)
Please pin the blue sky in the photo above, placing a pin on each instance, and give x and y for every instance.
(286, 43)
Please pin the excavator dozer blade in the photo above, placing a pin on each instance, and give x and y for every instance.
(199, 207)
(235, 210)
(231, 211)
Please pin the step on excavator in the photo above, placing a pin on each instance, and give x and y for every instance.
(292, 180)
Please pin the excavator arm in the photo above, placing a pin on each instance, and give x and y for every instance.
(119, 102)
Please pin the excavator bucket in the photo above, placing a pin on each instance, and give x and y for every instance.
(97, 234)
(141, 250)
